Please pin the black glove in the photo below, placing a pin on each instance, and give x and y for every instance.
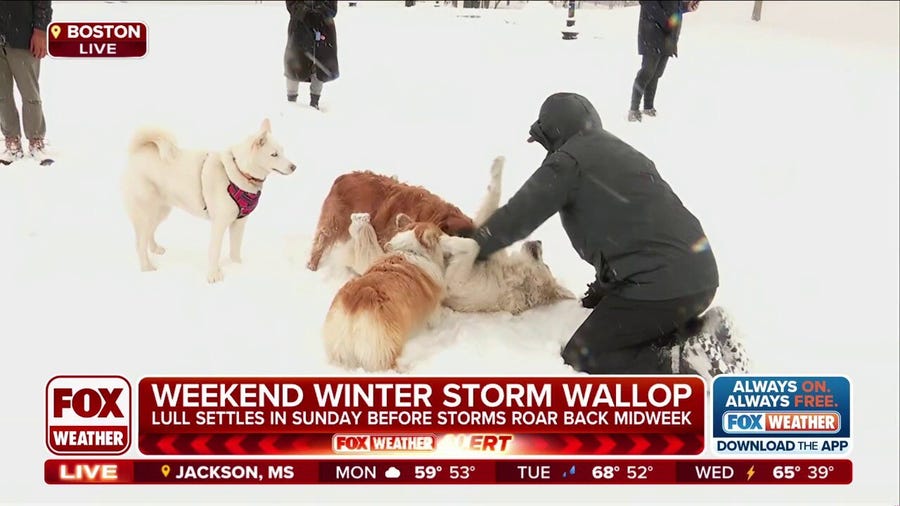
(592, 296)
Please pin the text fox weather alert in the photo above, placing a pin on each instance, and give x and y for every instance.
(781, 415)
(88, 415)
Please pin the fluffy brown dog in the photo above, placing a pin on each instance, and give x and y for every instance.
(383, 198)
(372, 316)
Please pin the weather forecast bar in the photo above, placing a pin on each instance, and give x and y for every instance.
(476, 472)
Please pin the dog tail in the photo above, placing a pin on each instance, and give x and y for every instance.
(163, 141)
(363, 336)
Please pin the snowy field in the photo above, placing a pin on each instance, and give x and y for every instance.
(781, 136)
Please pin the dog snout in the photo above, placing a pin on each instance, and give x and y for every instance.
(293, 167)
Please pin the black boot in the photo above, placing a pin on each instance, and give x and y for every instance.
(292, 97)
(314, 101)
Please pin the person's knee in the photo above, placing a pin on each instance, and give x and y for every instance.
(577, 355)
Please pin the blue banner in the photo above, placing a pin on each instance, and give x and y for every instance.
(781, 415)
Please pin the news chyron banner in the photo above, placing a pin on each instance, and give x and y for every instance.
(422, 416)
(476, 430)
(781, 415)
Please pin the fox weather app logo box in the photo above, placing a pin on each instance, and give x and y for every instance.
(781, 415)
(88, 415)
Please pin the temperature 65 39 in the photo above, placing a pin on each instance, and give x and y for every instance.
(812, 472)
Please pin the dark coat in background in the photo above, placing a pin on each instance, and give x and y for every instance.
(659, 27)
(312, 41)
(619, 213)
(19, 19)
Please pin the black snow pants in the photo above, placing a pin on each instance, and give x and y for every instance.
(623, 336)
(652, 68)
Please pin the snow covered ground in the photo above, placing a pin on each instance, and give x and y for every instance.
(781, 136)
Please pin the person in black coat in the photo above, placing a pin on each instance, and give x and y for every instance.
(659, 27)
(655, 269)
(311, 52)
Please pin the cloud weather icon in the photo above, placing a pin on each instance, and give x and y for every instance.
(392, 472)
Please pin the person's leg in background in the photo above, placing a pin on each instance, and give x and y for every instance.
(26, 70)
(649, 63)
(650, 90)
(293, 88)
(315, 90)
(9, 113)
(623, 336)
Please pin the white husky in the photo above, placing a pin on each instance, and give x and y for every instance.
(221, 186)
(512, 281)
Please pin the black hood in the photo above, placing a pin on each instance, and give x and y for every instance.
(563, 116)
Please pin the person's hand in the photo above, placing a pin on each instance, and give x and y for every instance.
(693, 5)
(39, 43)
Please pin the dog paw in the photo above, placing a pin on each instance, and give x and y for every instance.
(236, 259)
(453, 245)
(148, 268)
(497, 166)
(358, 222)
(156, 249)
(215, 276)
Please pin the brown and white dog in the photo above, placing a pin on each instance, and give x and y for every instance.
(512, 281)
(373, 316)
(383, 198)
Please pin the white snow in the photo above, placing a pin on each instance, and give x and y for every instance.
(781, 136)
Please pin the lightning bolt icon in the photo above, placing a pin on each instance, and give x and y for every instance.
(750, 473)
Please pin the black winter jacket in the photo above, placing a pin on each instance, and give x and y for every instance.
(312, 41)
(619, 213)
(19, 19)
(659, 27)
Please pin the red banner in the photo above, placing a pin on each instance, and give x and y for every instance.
(590, 415)
(471, 472)
(97, 40)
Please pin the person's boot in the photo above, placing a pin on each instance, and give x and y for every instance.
(634, 115)
(292, 97)
(649, 112)
(710, 351)
(12, 152)
(314, 101)
(718, 324)
(38, 150)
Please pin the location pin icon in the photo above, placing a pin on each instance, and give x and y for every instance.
(54, 30)
(165, 471)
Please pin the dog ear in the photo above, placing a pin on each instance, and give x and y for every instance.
(402, 221)
(264, 129)
(260, 140)
(431, 237)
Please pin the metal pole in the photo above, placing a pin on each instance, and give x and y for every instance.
(570, 33)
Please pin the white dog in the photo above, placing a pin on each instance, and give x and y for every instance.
(222, 186)
(507, 281)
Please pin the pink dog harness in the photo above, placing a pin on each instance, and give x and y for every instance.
(245, 201)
